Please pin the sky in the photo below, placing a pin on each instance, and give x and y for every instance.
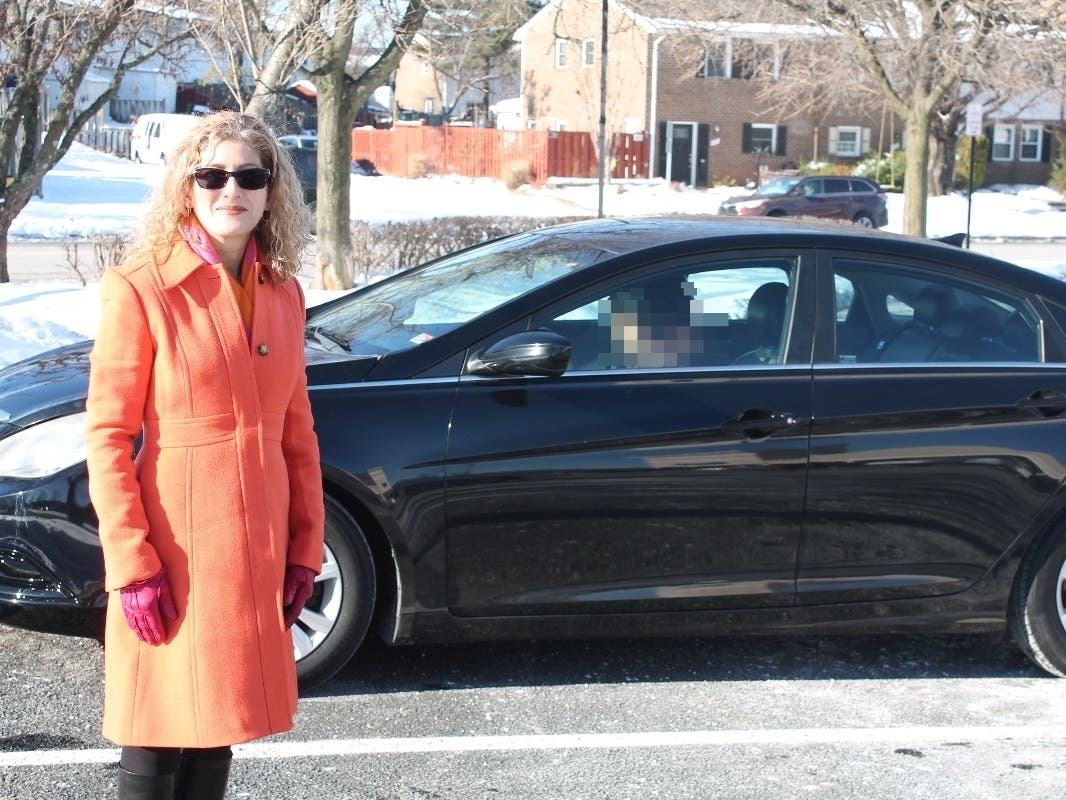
(91, 193)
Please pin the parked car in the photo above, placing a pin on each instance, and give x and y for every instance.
(155, 136)
(855, 199)
(304, 153)
(659, 426)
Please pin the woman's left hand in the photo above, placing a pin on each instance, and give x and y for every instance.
(299, 584)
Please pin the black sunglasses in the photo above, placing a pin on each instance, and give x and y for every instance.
(214, 178)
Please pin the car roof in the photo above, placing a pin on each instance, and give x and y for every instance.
(625, 235)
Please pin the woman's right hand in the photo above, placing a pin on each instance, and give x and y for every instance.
(145, 603)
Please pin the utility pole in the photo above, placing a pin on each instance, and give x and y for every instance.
(603, 108)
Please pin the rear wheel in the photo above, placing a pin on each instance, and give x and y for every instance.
(333, 623)
(864, 220)
(1038, 605)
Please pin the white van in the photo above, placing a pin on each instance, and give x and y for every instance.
(155, 136)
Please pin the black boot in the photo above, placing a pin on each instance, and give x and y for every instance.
(203, 778)
(132, 786)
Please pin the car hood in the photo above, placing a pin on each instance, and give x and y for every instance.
(44, 386)
(55, 383)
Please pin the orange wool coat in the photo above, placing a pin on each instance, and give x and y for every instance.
(224, 492)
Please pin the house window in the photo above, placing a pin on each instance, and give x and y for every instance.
(560, 53)
(1003, 143)
(848, 141)
(588, 52)
(427, 105)
(715, 61)
(760, 138)
(1030, 144)
(751, 59)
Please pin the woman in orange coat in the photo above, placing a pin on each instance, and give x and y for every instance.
(212, 534)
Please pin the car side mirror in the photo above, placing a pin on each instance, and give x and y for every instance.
(536, 352)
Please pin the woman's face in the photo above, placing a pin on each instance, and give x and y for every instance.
(230, 214)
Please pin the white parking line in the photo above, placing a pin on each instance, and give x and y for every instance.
(580, 741)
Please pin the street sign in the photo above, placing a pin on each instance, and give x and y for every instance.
(975, 119)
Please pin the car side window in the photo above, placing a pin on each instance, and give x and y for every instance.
(892, 315)
(732, 313)
(836, 185)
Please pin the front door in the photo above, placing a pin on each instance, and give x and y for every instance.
(681, 152)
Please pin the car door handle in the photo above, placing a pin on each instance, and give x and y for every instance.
(1046, 403)
(758, 423)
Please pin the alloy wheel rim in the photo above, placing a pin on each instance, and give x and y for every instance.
(319, 616)
(1060, 594)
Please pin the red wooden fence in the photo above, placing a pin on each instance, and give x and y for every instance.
(414, 150)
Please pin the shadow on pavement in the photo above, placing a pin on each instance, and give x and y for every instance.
(378, 668)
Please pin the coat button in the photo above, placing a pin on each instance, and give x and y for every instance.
(264, 349)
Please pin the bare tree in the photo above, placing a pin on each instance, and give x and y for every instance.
(346, 48)
(50, 41)
(469, 43)
(344, 77)
(914, 55)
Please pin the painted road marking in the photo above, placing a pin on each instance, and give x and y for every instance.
(579, 741)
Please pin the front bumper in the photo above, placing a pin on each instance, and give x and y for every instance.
(51, 565)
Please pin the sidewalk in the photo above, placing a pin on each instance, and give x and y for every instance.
(45, 261)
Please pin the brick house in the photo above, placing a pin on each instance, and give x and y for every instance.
(1022, 135)
(691, 85)
(420, 87)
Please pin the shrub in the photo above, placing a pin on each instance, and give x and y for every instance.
(826, 168)
(88, 258)
(980, 146)
(417, 165)
(515, 174)
(381, 248)
(887, 170)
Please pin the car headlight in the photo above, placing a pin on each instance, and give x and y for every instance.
(750, 205)
(44, 449)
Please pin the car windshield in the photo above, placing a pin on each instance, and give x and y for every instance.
(775, 187)
(426, 302)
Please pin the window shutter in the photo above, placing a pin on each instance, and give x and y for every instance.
(1045, 147)
(703, 135)
(834, 138)
(865, 142)
(745, 141)
(782, 141)
(661, 171)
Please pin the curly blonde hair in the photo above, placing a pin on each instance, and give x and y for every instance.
(281, 235)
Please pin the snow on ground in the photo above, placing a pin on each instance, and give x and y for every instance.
(90, 193)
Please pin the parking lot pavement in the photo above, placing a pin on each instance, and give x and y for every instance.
(869, 717)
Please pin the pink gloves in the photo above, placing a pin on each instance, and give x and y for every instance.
(145, 603)
(299, 584)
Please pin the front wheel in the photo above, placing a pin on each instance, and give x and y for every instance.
(333, 623)
(1038, 605)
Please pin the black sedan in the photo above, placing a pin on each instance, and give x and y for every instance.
(643, 426)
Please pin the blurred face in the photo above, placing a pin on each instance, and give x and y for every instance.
(229, 214)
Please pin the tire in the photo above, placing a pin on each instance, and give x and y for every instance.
(863, 220)
(336, 618)
(1038, 605)
(777, 212)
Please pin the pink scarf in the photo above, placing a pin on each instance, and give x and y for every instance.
(200, 243)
